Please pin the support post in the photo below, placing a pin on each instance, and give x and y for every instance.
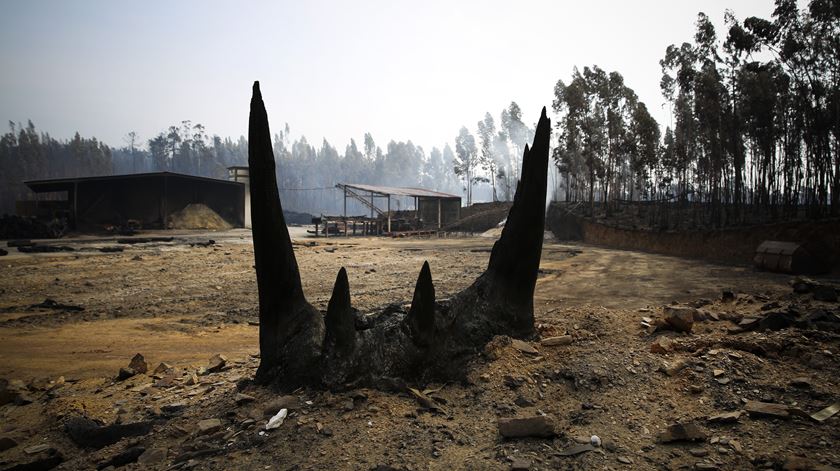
(345, 202)
(389, 214)
(165, 204)
(75, 205)
(440, 219)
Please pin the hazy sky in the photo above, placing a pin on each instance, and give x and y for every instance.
(400, 70)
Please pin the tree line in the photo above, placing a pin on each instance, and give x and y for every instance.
(306, 174)
(757, 123)
(755, 135)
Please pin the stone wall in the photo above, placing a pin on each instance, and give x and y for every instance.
(733, 245)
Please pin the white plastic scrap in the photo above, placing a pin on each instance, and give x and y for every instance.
(277, 420)
(595, 440)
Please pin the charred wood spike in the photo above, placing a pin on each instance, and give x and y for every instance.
(432, 340)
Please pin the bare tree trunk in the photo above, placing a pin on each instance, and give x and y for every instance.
(432, 340)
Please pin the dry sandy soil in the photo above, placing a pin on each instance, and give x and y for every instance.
(181, 304)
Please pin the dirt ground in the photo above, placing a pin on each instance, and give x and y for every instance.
(181, 303)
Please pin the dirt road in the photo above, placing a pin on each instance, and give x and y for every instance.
(185, 303)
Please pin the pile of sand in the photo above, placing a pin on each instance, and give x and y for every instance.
(198, 216)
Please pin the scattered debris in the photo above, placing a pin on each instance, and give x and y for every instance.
(123, 458)
(53, 459)
(51, 304)
(826, 413)
(45, 249)
(88, 434)
(556, 341)
(727, 417)
(244, 398)
(35, 449)
(144, 240)
(277, 420)
(524, 347)
(767, 409)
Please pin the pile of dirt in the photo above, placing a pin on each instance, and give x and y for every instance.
(198, 216)
(485, 217)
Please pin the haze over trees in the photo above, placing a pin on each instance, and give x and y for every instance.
(754, 135)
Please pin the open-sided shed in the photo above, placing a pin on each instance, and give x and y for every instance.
(434, 208)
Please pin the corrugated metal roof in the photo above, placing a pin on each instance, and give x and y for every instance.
(400, 191)
(63, 184)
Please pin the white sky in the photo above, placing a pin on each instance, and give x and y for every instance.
(400, 70)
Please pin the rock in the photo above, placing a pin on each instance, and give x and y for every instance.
(802, 285)
(595, 440)
(523, 401)
(53, 459)
(282, 402)
(661, 345)
(152, 456)
(14, 391)
(556, 341)
(726, 417)
(173, 408)
(88, 434)
(208, 426)
(123, 458)
(216, 363)
(537, 426)
(706, 466)
(767, 409)
(801, 382)
(777, 320)
(520, 464)
(35, 449)
(680, 318)
(624, 460)
(168, 380)
(698, 452)
(138, 364)
(673, 368)
(524, 347)
(125, 373)
(191, 380)
(162, 368)
(824, 293)
(7, 443)
(727, 295)
(244, 398)
(689, 432)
